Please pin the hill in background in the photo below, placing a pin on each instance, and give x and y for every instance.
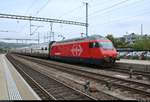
(6, 46)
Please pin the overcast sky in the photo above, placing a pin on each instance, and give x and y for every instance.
(105, 17)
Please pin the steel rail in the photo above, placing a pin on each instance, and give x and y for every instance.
(38, 88)
(96, 76)
(80, 94)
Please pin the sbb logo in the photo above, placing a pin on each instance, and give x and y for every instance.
(76, 50)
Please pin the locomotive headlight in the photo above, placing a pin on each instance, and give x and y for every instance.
(106, 58)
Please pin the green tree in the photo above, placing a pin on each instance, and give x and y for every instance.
(142, 44)
(110, 37)
(118, 43)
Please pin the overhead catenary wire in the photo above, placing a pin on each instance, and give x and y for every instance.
(71, 11)
(103, 14)
(110, 7)
(43, 6)
(104, 9)
(118, 19)
(28, 9)
(76, 8)
(33, 3)
(127, 17)
(68, 13)
(100, 3)
(107, 12)
(121, 19)
(113, 19)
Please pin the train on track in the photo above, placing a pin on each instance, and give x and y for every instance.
(93, 49)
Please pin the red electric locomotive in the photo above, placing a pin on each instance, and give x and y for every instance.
(92, 50)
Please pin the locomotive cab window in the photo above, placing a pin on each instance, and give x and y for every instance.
(94, 45)
(91, 45)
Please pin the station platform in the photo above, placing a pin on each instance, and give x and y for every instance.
(141, 62)
(12, 85)
(139, 65)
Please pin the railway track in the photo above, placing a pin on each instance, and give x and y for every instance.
(43, 94)
(46, 87)
(142, 89)
(127, 71)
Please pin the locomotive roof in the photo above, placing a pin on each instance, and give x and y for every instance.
(93, 37)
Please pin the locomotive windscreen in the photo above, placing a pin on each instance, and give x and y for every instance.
(106, 45)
